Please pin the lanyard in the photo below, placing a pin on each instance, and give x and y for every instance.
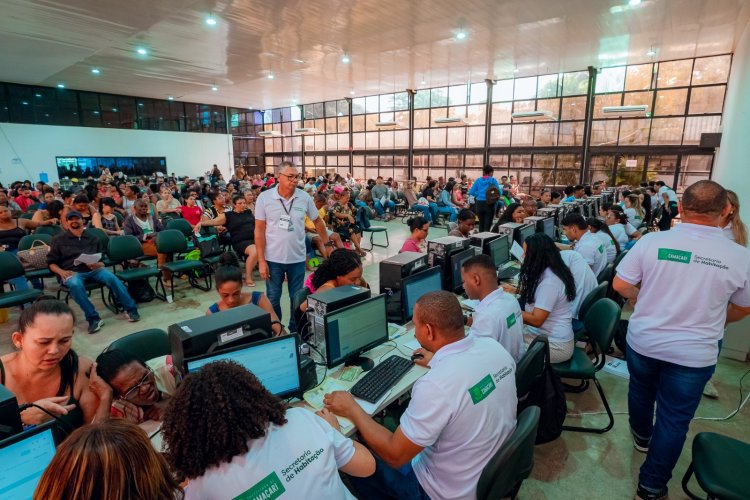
(284, 206)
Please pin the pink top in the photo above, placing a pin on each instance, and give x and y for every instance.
(411, 245)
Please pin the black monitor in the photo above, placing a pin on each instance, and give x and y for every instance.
(25, 456)
(417, 285)
(355, 329)
(500, 250)
(525, 232)
(548, 226)
(457, 260)
(274, 361)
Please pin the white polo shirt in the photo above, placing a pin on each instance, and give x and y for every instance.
(592, 250)
(299, 459)
(582, 274)
(498, 316)
(688, 276)
(550, 296)
(285, 245)
(609, 245)
(461, 412)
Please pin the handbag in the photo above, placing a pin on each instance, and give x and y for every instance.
(35, 257)
(208, 246)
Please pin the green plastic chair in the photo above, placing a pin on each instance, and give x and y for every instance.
(51, 230)
(619, 258)
(27, 216)
(531, 366)
(127, 247)
(172, 242)
(372, 230)
(606, 274)
(10, 268)
(146, 344)
(181, 225)
(601, 323)
(33, 207)
(513, 462)
(104, 241)
(718, 463)
(599, 292)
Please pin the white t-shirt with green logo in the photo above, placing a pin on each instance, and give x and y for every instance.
(592, 250)
(688, 276)
(582, 274)
(609, 245)
(550, 296)
(461, 412)
(299, 459)
(498, 316)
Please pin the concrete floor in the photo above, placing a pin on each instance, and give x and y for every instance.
(577, 465)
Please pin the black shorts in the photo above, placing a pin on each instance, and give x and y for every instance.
(240, 247)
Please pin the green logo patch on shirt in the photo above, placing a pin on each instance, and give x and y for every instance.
(482, 389)
(511, 320)
(675, 255)
(267, 488)
(601, 249)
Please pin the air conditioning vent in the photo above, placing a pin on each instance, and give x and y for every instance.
(639, 110)
(270, 133)
(533, 116)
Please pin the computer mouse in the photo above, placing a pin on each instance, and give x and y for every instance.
(416, 356)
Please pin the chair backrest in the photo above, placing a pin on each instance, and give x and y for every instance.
(599, 292)
(119, 218)
(146, 344)
(10, 267)
(51, 230)
(531, 365)
(125, 247)
(619, 258)
(25, 242)
(643, 230)
(606, 274)
(27, 215)
(101, 236)
(601, 323)
(170, 241)
(513, 462)
(181, 225)
(33, 207)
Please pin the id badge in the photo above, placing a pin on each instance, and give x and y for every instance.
(285, 222)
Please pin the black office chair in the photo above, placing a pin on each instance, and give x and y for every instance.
(513, 462)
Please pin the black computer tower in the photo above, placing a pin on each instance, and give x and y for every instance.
(10, 417)
(439, 252)
(396, 268)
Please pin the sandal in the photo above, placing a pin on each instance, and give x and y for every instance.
(250, 284)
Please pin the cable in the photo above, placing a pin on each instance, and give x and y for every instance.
(736, 411)
(64, 425)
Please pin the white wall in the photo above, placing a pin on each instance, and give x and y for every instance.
(187, 153)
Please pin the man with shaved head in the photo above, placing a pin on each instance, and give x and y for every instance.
(461, 411)
(686, 284)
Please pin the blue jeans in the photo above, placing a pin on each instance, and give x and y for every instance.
(76, 285)
(433, 210)
(295, 274)
(675, 390)
(450, 211)
(363, 216)
(389, 205)
(388, 482)
(425, 211)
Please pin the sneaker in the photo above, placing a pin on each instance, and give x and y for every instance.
(95, 325)
(710, 390)
(133, 316)
(641, 444)
(644, 494)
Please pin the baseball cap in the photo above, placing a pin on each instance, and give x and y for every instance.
(73, 213)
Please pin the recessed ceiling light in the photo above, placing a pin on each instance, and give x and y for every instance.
(460, 35)
(634, 2)
(60, 85)
(249, 107)
(270, 76)
(340, 113)
(142, 51)
(25, 103)
(515, 70)
(170, 98)
(211, 20)
(37, 95)
(95, 71)
(423, 82)
(351, 92)
(345, 59)
(215, 88)
(114, 110)
(651, 53)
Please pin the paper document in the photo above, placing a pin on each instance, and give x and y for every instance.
(616, 366)
(469, 304)
(87, 258)
(412, 344)
(517, 251)
(395, 331)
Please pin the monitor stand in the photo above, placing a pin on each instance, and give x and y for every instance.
(365, 363)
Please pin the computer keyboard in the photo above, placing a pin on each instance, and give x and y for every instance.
(508, 273)
(377, 381)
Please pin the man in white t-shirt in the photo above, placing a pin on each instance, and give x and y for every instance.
(668, 200)
(583, 276)
(586, 243)
(280, 236)
(461, 411)
(498, 314)
(686, 285)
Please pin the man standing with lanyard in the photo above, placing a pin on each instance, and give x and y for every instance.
(668, 200)
(280, 235)
(673, 338)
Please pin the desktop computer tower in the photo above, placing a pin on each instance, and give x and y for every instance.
(320, 304)
(519, 231)
(439, 252)
(10, 417)
(396, 268)
(481, 240)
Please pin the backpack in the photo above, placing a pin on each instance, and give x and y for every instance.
(492, 195)
(141, 291)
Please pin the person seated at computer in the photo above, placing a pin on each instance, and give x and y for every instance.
(228, 279)
(417, 242)
(620, 227)
(45, 371)
(109, 459)
(545, 198)
(585, 242)
(633, 209)
(530, 206)
(446, 435)
(601, 230)
(466, 222)
(226, 433)
(584, 278)
(139, 389)
(569, 194)
(547, 287)
(498, 314)
(555, 198)
(513, 213)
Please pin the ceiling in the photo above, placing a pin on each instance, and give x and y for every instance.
(392, 45)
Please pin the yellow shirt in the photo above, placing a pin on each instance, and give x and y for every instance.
(310, 225)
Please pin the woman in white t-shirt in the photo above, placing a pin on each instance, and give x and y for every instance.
(633, 209)
(621, 229)
(546, 288)
(232, 438)
(732, 224)
(602, 231)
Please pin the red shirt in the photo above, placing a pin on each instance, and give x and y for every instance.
(191, 214)
(24, 202)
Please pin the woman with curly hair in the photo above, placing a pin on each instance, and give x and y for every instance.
(231, 437)
(546, 290)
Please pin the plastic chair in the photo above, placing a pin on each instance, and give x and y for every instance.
(600, 323)
(718, 463)
(513, 462)
(376, 229)
(10, 268)
(606, 274)
(599, 292)
(172, 242)
(51, 230)
(146, 344)
(104, 241)
(125, 248)
(531, 366)
(33, 207)
(181, 225)
(619, 258)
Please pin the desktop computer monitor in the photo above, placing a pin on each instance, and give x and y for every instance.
(355, 329)
(548, 227)
(525, 232)
(417, 285)
(274, 361)
(500, 250)
(25, 456)
(457, 260)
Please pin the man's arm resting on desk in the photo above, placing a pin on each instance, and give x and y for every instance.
(393, 447)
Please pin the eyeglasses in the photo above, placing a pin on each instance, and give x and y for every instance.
(133, 390)
(291, 177)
